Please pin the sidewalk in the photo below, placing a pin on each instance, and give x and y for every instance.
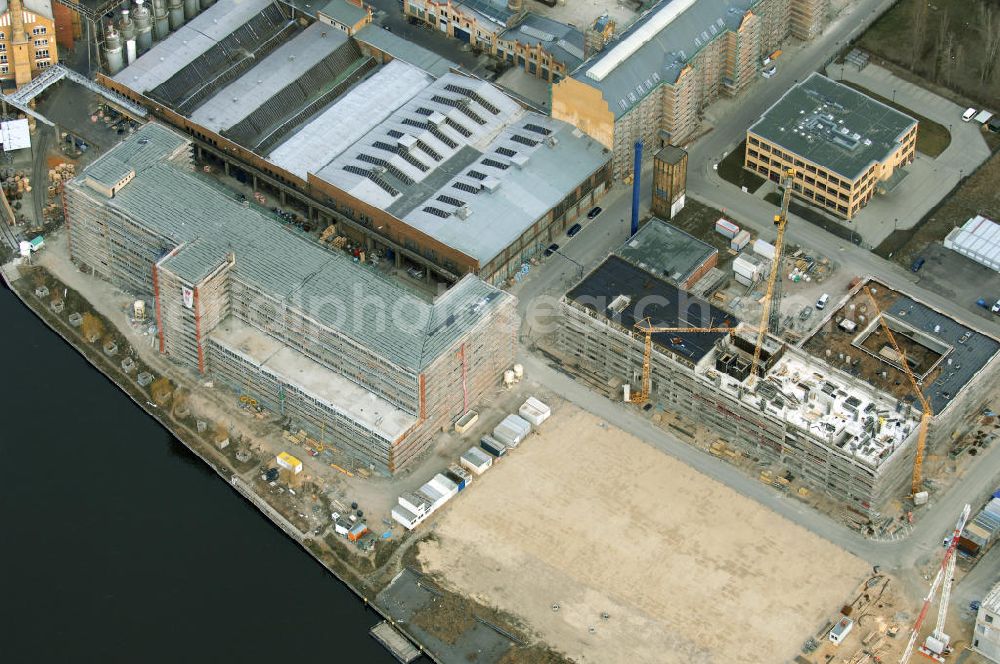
(928, 179)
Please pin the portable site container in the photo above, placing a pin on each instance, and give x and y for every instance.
(841, 630)
(993, 508)
(405, 517)
(493, 446)
(434, 497)
(459, 475)
(414, 503)
(288, 462)
(476, 460)
(341, 526)
(531, 414)
(519, 423)
(726, 228)
(741, 240)
(539, 406)
(505, 435)
(765, 249)
(444, 485)
(358, 531)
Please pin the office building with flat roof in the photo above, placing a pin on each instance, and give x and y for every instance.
(842, 144)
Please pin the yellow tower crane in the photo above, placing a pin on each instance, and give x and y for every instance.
(646, 326)
(925, 416)
(780, 220)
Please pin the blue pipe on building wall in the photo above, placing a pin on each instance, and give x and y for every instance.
(636, 173)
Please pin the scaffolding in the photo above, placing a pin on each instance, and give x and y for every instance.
(212, 263)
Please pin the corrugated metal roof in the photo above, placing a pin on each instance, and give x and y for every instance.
(209, 223)
(563, 41)
(343, 12)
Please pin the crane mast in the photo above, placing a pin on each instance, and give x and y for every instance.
(780, 220)
(917, 480)
(646, 326)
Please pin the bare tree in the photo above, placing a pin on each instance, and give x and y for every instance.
(989, 21)
(918, 33)
(942, 60)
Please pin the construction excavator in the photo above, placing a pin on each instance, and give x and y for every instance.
(646, 327)
(927, 413)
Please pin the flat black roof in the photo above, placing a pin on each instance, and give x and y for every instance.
(625, 294)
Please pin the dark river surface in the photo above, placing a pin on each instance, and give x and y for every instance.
(119, 545)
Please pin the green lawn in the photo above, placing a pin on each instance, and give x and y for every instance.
(932, 138)
(731, 170)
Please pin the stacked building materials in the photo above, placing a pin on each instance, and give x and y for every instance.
(476, 460)
(534, 411)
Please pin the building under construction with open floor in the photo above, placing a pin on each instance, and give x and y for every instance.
(832, 430)
(409, 157)
(356, 359)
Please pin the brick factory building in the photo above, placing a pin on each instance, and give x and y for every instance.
(653, 81)
(341, 350)
(842, 144)
(27, 40)
(407, 157)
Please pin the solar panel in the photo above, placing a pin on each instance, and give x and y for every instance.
(538, 129)
(465, 187)
(507, 152)
(437, 212)
(450, 200)
(523, 140)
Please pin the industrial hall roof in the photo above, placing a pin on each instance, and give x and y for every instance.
(833, 126)
(666, 250)
(626, 294)
(206, 223)
(657, 47)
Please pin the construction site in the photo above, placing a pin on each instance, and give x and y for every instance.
(847, 410)
(352, 357)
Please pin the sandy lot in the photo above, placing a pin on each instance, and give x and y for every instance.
(590, 518)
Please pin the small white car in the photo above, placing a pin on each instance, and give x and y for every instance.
(969, 114)
(996, 307)
(768, 72)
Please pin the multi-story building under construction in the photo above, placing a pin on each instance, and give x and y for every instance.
(832, 430)
(653, 81)
(351, 356)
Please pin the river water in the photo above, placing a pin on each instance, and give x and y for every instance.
(119, 545)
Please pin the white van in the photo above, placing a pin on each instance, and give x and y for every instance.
(823, 299)
(969, 114)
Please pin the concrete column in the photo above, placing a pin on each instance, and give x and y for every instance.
(254, 181)
(225, 167)
(398, 257)
(281, 195)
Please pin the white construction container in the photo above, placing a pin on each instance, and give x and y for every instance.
(726, 228)
(444, 485)
(476, 460)
(765, 249)
(741, 240)
(404, 517)
(749, 266)
(531, 414)
(506, 435)
(519, 423)
(538, 405)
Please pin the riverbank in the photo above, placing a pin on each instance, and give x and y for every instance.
(366, 576)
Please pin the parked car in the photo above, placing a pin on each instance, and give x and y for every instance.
(823, 299)
(551, 249)
(594, 212)
(969, 114)
(415, 272)
(768, 72)
(917, 264)
(996, 307)
(573, 230)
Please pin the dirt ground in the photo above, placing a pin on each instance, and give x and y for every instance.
(584, 520)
